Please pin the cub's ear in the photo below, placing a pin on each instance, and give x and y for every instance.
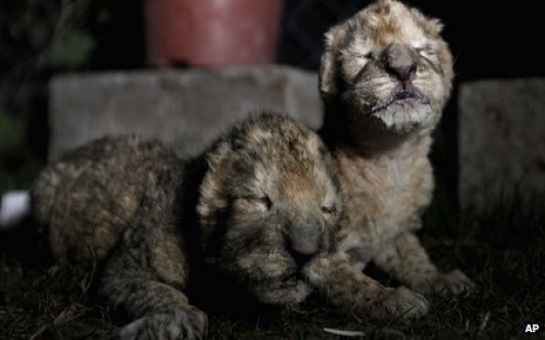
(384, 6)
(329, 68)
(218, 154)
(431, 26)
(212, 191)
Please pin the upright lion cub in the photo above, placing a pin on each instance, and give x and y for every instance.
(385, 77)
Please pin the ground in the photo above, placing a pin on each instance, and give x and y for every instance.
(501, 251)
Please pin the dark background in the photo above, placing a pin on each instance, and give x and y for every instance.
(489, 39)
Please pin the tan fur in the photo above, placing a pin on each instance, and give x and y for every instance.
(259, 209)
(385, 77)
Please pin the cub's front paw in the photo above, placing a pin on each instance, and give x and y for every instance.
(401, 302)
(447, 284)
(190, 324)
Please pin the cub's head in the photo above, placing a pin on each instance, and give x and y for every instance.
(269, 205)
(386, 70)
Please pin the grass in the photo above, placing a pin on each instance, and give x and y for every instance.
(18, 164)
(501, 251)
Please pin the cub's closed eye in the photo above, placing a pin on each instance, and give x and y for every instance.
(364, 55)
(329, 210)
(352, 56)
(426, 50)
(262, 200)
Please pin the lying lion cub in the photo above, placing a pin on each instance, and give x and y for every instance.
(261, 206)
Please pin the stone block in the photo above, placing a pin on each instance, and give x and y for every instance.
(184, 108)
(501, 141)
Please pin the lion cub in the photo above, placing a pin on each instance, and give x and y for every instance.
(385, 77)
(260, 206)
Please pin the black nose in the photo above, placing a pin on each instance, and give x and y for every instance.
(400, 62)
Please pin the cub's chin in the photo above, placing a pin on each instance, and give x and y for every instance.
(404, 111)
(287, 292)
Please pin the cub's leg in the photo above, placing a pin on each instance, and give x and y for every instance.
(350, 290)
(147, 273)
(406, 259)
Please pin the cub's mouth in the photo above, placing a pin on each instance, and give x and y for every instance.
(405, 94)
(282, 291)
(406, 98)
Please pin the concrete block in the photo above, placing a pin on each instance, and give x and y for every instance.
(501, 141)
(184, 108)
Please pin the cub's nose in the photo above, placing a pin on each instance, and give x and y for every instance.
(304, 242)
(400, 62)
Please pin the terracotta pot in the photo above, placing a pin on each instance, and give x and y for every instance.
(211, 32)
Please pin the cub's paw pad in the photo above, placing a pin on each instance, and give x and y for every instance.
(403, 302)
(191, 324)
(452, 283)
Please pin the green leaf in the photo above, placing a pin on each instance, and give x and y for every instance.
(68, 51)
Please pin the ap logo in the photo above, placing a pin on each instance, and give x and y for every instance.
(531, 328)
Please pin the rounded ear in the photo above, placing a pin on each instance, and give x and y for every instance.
(329, 68)
(335, 40)
(384, 6)
(431, 26)
(212, 198)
